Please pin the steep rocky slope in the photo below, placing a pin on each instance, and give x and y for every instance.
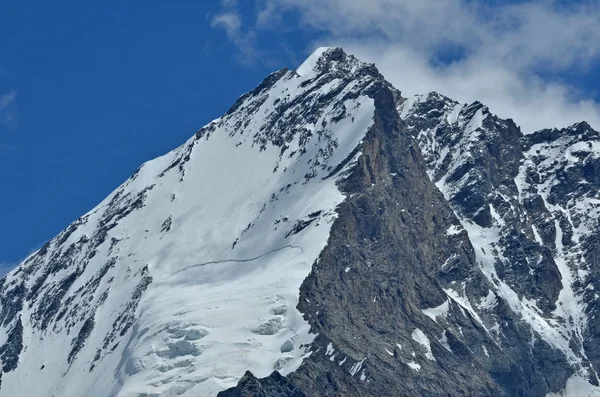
(356, 242)
(529, 204)
(479, 304)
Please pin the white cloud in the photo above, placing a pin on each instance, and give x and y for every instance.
(231, 22)
(6, 115)
(506, 56)
(7, 99)
(541, 33)
(533, 102)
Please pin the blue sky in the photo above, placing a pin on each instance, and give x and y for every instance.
(89, 93)
(97, 91)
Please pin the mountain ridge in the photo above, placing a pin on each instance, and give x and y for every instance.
(325, 227)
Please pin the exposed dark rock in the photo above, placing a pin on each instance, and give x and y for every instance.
(392, 233)
(166, 226)
(392, 230)
(126, 318)
(274, 385)
(11, 301)
(50, 302)
(11, 349)
(78, 342)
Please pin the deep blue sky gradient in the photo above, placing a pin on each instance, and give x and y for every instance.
(101, 90)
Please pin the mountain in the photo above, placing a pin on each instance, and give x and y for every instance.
(325, 237)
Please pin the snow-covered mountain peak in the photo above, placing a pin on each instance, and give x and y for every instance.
(357, 242)
(313, 59)
(334, 60)
(188, 274)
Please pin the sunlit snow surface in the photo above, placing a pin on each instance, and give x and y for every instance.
(219, 233)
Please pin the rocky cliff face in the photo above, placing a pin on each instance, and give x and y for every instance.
(353, 241)
(466, 287)
(533, 221)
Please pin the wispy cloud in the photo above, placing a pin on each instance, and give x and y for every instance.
(510, 56)
(8, 121)
(6, 114)
(230, 21)
(7, 99)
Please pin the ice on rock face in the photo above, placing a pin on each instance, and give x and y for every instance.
(414, 366)
(435, 312)
(422, 339)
